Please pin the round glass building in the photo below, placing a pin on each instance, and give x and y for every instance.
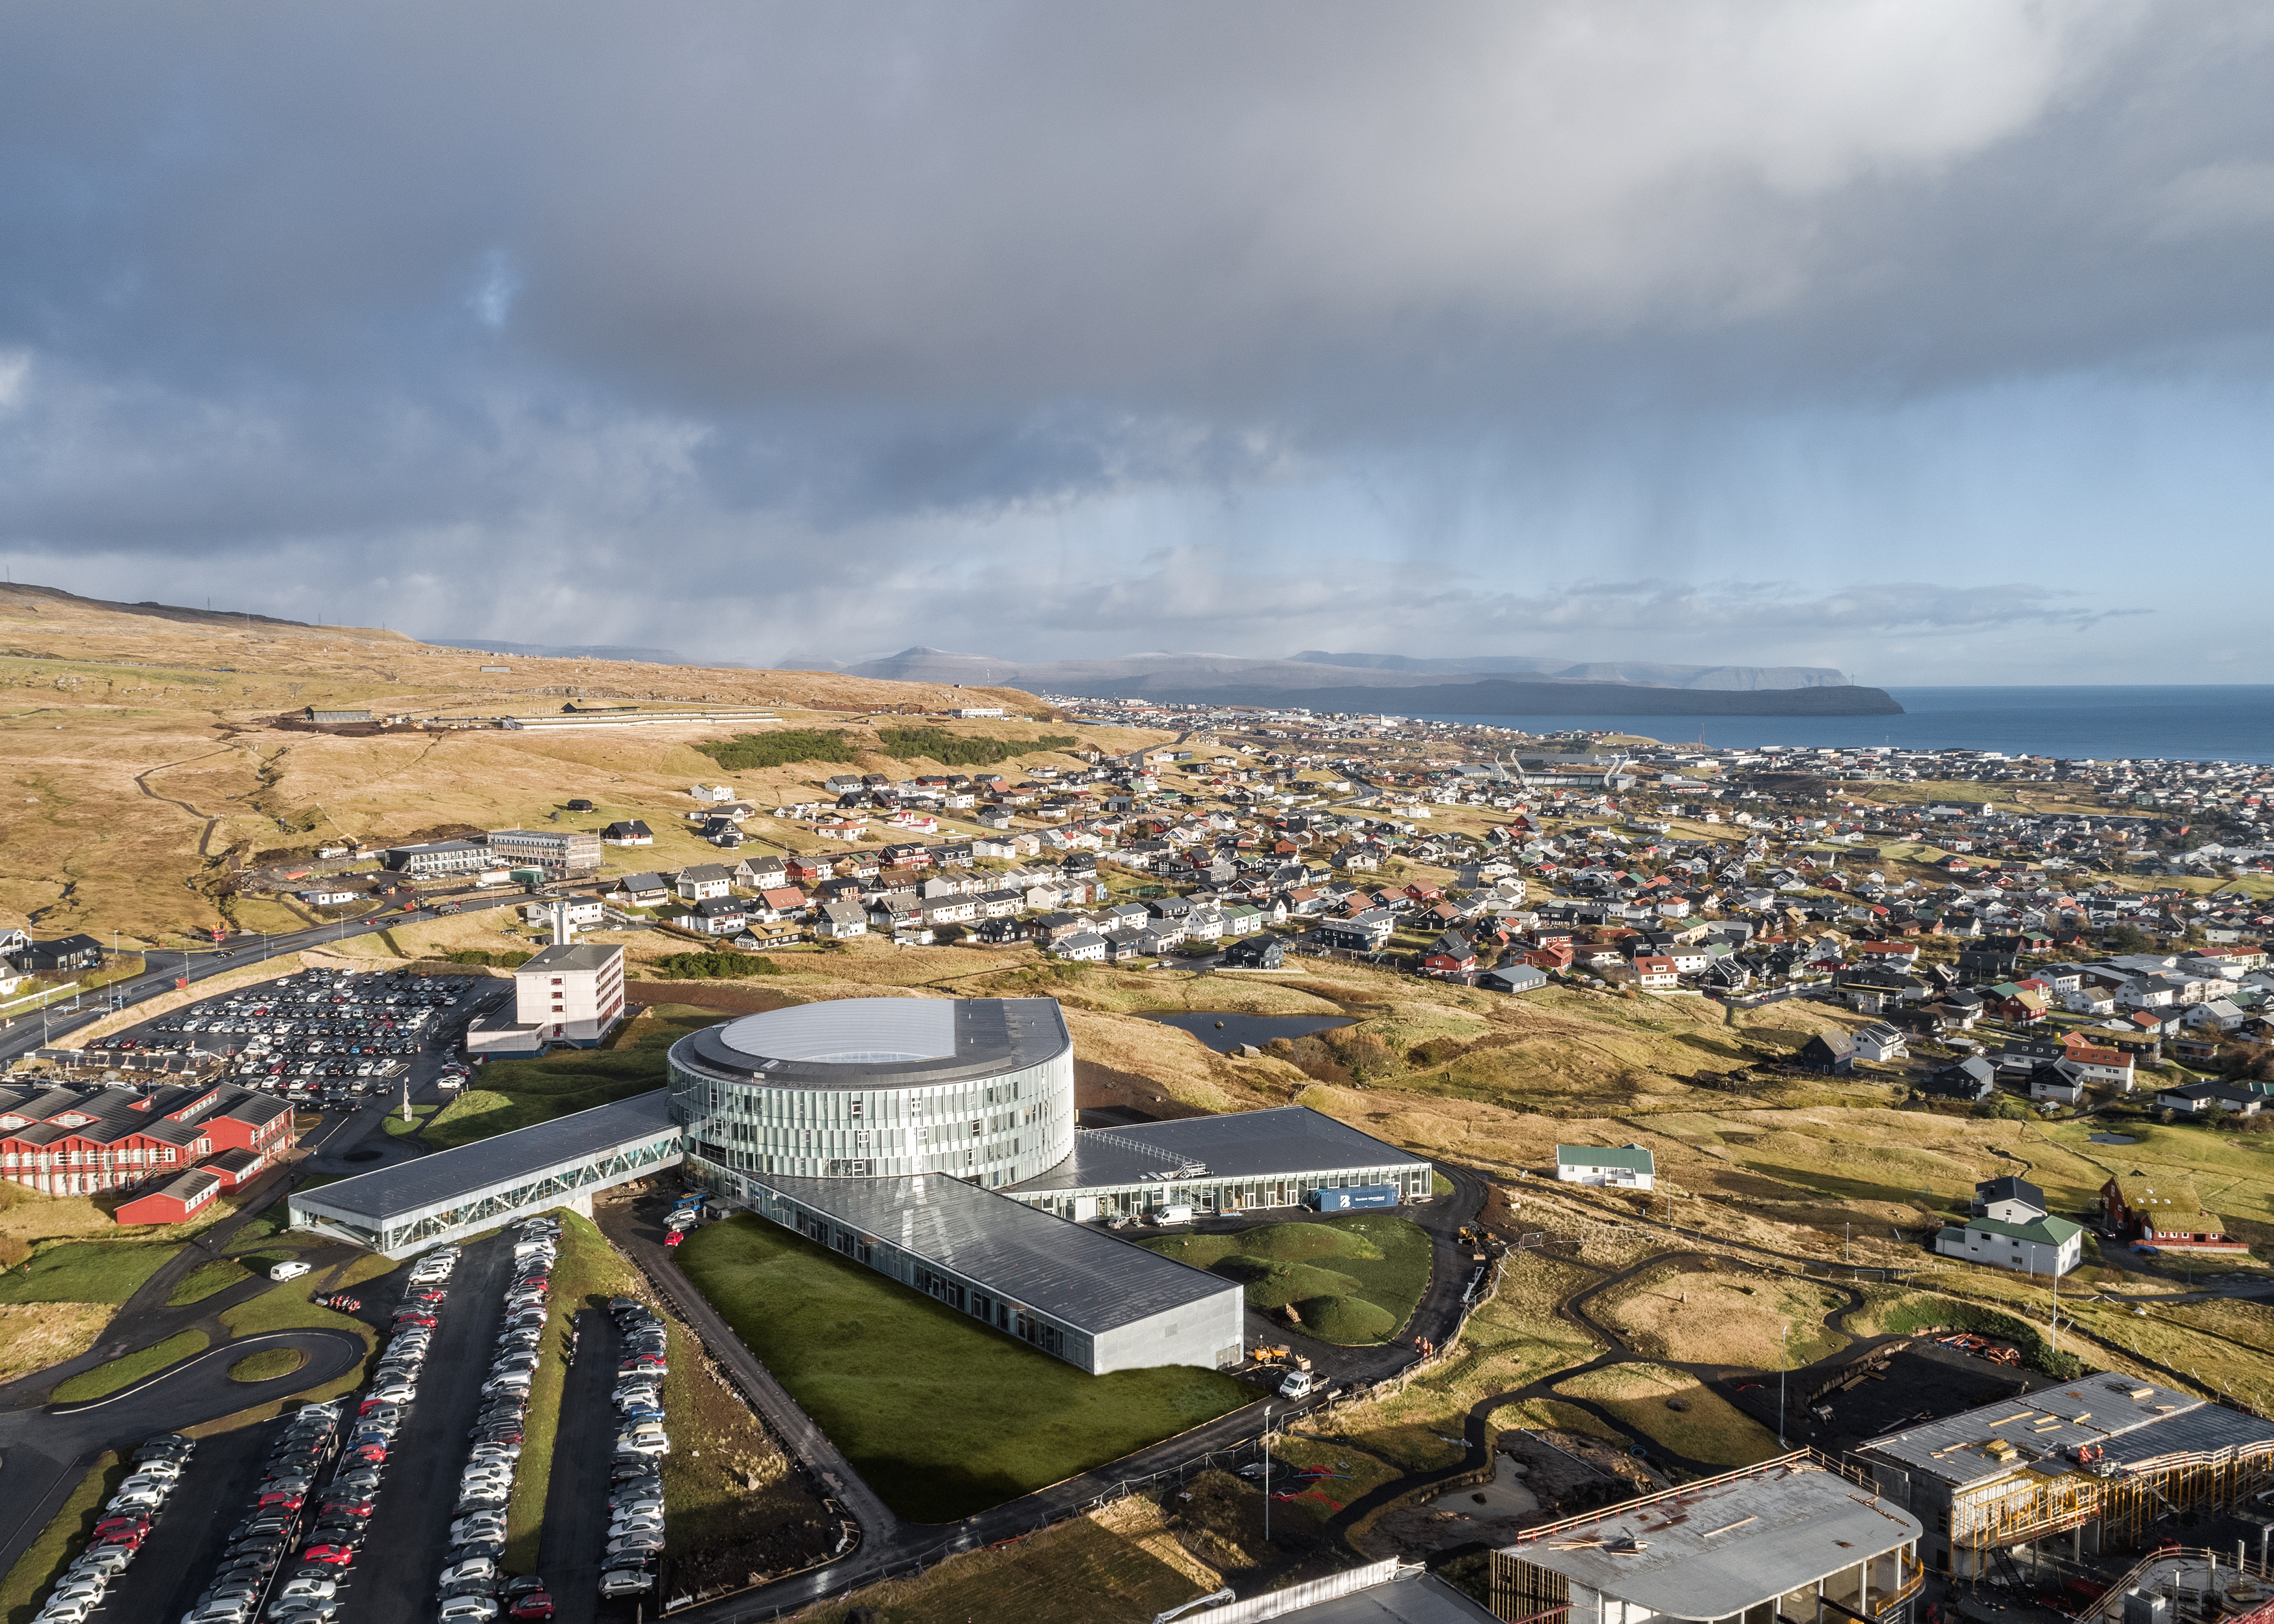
(978, 1088)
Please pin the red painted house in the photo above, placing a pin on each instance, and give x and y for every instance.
(64, 1141)
(178, 1199)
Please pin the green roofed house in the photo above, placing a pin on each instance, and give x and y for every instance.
(2022, 1237)
(1628, 1167)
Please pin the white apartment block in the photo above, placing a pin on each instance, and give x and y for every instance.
(570, 995)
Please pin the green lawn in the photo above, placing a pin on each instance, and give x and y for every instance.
(84, 1272)
(518, 1094)
(126, 1371)
(206, 1279)
(942, 1416)
(267, 1364)
(288, 1306)
(396, 1126)
(586, 1268)
(1353, 1280)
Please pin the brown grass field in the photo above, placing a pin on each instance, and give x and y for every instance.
(1723, 1318)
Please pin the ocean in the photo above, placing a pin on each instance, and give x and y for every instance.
(2175, 723)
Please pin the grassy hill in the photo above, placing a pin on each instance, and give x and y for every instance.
(150, 752)
(1350, 1279)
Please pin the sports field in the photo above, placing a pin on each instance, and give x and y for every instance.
(942, 1416)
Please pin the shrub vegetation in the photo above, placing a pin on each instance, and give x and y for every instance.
(723, 965)
(957, 750)
(745, 752)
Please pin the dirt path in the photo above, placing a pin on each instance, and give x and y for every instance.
(142, 782)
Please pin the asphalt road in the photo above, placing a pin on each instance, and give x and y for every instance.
(394, 1574)
(44, 1452)
(41, 1028)
(577, 1499)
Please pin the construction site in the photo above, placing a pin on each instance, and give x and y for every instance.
(2050, 1478)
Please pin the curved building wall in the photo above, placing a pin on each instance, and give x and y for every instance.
(993, 1109)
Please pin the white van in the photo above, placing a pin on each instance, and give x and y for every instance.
(1173, 1214)
(288, 1270)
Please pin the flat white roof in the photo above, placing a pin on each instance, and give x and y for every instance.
(849, 1031)
(1716, 1549)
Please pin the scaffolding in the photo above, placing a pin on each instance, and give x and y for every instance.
(2123, 1499)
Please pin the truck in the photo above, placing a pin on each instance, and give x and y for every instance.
(1298, 1385)
(1357, 1197)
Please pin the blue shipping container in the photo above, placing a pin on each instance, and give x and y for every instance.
(1364, 1195)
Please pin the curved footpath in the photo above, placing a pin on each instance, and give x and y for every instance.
(891, 1547)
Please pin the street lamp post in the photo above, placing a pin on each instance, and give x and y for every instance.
(1784, 1359)
(1266, 1474)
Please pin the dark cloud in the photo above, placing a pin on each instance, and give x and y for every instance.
(1016, 325)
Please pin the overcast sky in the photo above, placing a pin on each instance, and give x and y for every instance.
(1928, 339)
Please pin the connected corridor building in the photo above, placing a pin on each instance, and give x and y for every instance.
(430, 1200)
(932, 1140)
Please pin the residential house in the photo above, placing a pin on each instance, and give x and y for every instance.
(841, 920)
(2091, 1062)
(2016, 1004)
(1450, 955)
(2205, 1099)
(1261, 951)
(638, 890)
(1833, 1052)
(1971, 1080)
(702, 882)
(1628, 1167)
(1881, 1043)
(2162, 1213)
(1655, 972)
(2011, 1229)
(1512, 978)
(628, 832)
(1082, 946)
(780, 903)
(715, 916)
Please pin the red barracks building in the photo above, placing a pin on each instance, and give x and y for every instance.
(69, 1141)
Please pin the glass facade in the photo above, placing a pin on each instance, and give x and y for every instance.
(991, 1131)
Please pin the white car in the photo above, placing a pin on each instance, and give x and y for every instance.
(472, 1567)
(626, 1582)
(309, 1589)
(218, 1612)
(467, 1610)
(289, 1270)
(66, 1609)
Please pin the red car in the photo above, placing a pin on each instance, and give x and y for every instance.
(121, 1525)
(673, 1238)
(331, 1556)
(280, 1497)
(373, 1454)
(536, 1604)
(347, 1507)
(128, 1539)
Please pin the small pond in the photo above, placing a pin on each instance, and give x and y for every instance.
(2112, 1138)
(1223, 1030)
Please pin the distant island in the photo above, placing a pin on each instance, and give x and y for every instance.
(1506, 698)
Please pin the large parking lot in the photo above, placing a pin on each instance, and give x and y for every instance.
(319, 1036)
